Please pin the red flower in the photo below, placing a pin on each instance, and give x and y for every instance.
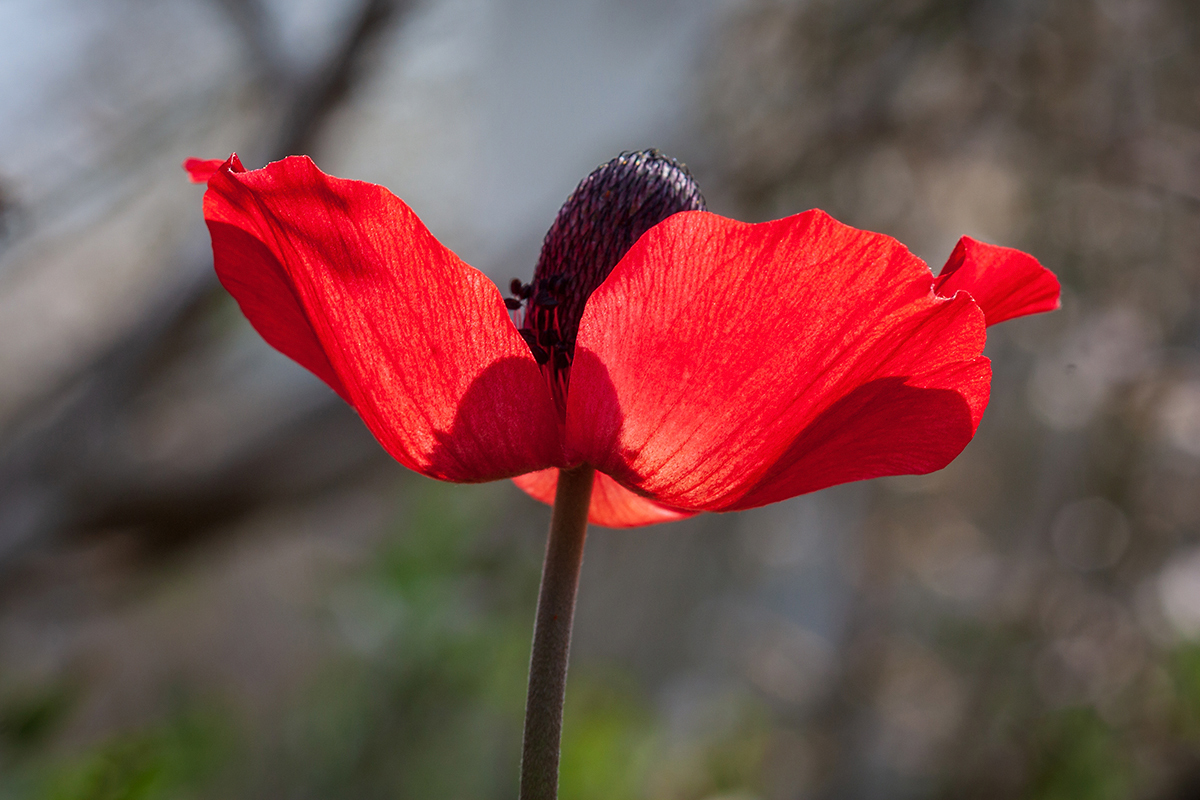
(720, 366)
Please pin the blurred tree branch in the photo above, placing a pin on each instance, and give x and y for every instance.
(61, 449)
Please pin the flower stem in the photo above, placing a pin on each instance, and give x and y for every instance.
(552, 634)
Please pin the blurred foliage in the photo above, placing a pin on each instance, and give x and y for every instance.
(29, 717)
(1184, 665)
(179, 758)
(1076, 757)
(427, 701)
(610, 740)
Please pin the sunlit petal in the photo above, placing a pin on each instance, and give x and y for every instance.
(342, 276)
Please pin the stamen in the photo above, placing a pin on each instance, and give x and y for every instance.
(540, 355)
(561, 359)
(608, 211)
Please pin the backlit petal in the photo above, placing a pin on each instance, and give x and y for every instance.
(201, 169)
(1006, 283)
(725, 365)
(613, 506)
(342, 276)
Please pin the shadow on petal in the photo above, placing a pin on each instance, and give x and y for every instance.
(594, 415)
(884, 427)
(593, 407)
(491, 436)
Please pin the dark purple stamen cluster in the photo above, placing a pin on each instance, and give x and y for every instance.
(520, 293)
(603, 217)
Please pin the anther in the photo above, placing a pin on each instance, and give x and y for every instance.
(512, 304)
(540, 354)
(514, 288)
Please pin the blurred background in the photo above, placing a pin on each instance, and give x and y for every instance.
(214, 584)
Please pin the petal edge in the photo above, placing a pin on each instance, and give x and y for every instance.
(342, 277)
(613, 506)
(714, 345)
(201, 170)
(1006, 283)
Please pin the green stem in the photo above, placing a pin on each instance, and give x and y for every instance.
(552, 634)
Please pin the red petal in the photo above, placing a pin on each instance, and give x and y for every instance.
(725, 365)
(1006, 283)
(201, 169)
(613, 506)
(342, 276)
(888, 426)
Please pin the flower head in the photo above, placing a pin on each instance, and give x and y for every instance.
(601, 220)
(699, 363)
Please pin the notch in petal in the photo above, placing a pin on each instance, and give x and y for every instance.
(724, 365)
(342, 276)
(613, 506)
(1006, 283)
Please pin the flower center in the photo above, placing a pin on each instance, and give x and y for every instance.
(608, 211)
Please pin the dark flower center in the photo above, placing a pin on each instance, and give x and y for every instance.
(608, 211)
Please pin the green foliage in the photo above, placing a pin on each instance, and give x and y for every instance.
(1184, 668)
(30, 716)
(1078, 758)
(609, 740)
(172, 761)
(433, 708)
(614, 748)
(735, 763)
